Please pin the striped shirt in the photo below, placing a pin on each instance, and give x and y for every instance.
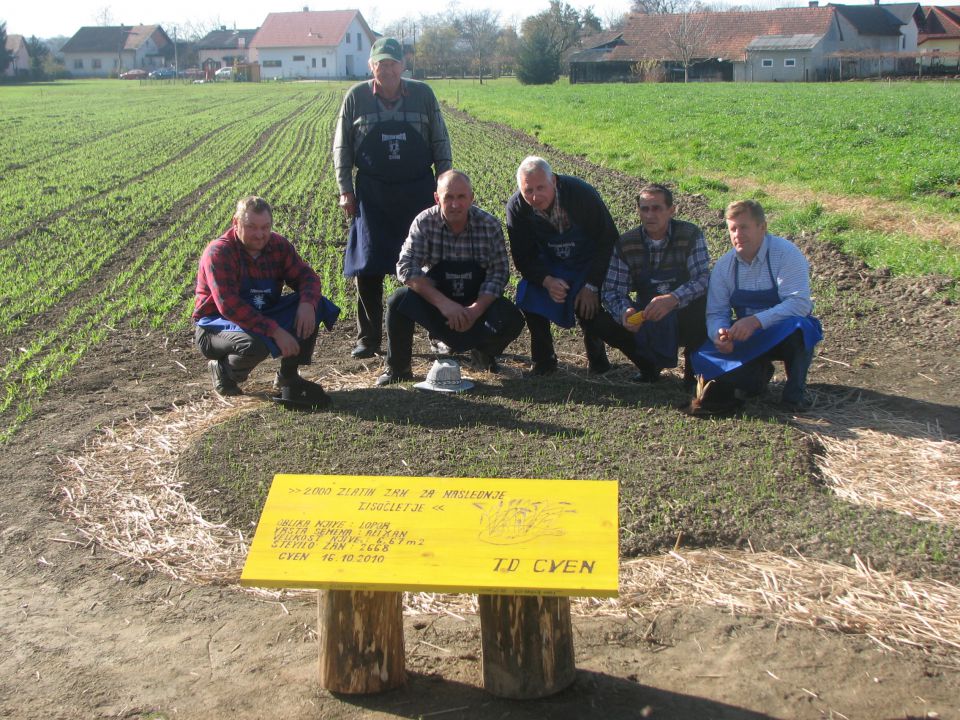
(430, 241)
(791, 273)
(618, 284)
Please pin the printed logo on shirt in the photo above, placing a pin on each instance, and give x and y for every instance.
(663, 288)
(563, 250)
(259, 298)
(394, 144)
(458, 282)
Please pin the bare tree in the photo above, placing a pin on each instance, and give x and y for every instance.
(103, 16)
(688, 38)
(480, 29)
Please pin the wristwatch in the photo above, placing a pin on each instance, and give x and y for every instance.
(591, 288)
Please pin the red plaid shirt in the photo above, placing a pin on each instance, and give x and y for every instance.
(223, 266)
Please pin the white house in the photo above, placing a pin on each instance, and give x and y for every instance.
(324, 44)
(223, 47)
(20, 58)
(105, 51)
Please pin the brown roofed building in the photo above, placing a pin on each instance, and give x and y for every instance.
(105, 51)
(19, 56)
(225, 48)
(940, 36)
(321, 44)
(788, 44)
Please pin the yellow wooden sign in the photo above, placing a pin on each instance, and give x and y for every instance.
(517, 537)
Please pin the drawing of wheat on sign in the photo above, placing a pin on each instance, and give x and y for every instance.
(518, 521)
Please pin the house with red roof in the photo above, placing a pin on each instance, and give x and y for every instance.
(16, 46)
(313, 44)
(96, 51)
(784, 45)
(940, 35)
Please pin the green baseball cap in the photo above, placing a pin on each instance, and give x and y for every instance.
(386, 48)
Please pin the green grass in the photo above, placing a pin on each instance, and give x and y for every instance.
(889, 141)
(720, 483)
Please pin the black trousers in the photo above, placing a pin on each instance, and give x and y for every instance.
(691, 332)
(541, 341)
(752, 378)
(244, 351)
(400, 329)
(369, 310)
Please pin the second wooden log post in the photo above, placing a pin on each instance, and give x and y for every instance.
(361, 641)
(527, 645)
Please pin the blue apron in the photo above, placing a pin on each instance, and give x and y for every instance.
(567, 256)
(394, 184)
(264, 296)
(657, 341)
(711, 363)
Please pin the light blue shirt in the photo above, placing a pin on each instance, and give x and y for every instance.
(791, 273)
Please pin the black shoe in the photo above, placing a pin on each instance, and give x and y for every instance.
(391, 377)
(796, 406)
(301, 394)
(646, 376)
(544, 367)
(362, 352)
(599, 367)
(223, 384)
(481, 362)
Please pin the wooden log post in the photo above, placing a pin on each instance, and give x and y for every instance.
(527, 645)
(360, 635)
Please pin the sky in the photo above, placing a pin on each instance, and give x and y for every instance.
(65, 17)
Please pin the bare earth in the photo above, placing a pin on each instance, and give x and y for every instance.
(89, 635)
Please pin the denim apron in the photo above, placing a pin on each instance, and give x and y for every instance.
(394, 184)
(265, 297)
(711, 363)
(567, 256)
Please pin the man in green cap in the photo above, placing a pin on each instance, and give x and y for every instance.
(391, 130)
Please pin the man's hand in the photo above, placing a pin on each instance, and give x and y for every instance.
(557, 288)
(625, 320)
(660, 307)
(586, 303)
(288, 344)
(348, 201)
(723, 343)
(743, 328)
(458, 317)
(306, 321)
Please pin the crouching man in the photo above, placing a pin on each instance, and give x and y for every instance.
(764, 281)
(241, 315)
(454, 267)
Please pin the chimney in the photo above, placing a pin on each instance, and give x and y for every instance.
(306, 8)
(814, 3)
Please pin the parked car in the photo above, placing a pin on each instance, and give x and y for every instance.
(135, 74)
(192, 73)
(163, 74)
(224, 73)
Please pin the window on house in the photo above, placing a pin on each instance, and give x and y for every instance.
(299, 58)
(323, 62)
(789, 62)
(272, 63)
(96, 64)
(78, 64)
(313, 62)
(348, 38)
(359, 42)
(766, 62)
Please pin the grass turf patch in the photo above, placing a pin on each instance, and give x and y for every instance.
(733, 482)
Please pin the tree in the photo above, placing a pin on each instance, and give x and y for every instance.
(537, 63)
(507, 50)
(688, 39)
(479, 29)
(437, 50)
(103, 16)
(39, 52)
(589, 22)
(5, 57)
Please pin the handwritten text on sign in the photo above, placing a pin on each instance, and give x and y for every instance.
(542, 537)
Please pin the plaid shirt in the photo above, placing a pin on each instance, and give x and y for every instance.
(224, 265)
(430, 241)
(617, 285)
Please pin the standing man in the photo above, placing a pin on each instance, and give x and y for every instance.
(765, 281)
(454, 267)
(665, 263)
(392, 131)
(241, 314)
(561, 238)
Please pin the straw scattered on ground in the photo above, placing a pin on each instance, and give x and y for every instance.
(124, 494)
